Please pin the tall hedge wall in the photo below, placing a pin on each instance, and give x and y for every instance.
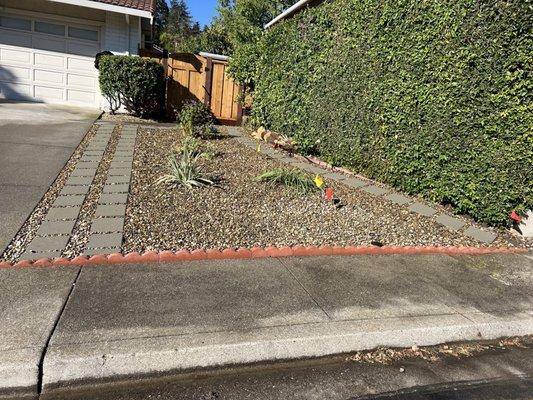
(431, 96)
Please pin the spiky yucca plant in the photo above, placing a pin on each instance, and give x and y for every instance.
(294, 178)
(185, 171)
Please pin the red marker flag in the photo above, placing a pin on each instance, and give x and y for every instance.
(515, 217)
(329, 194)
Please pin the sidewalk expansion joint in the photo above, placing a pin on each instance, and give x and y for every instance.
(280, 260)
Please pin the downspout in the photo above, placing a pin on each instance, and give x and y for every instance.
(288, 12)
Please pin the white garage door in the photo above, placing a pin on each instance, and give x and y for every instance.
(48, 61)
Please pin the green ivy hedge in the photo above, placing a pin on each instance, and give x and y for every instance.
(431, 96)
(133, 82)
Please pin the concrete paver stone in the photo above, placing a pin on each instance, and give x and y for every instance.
(49, 228)
(87, 164)
(375, 190)
(70, 200)
(107, 225)
(76, 172)
(116, 171)
(117, 188)
(422, 209)
(113, 198)
(70, 189)
(44, 244)
(65, 213)
(118, 179)
(398, 198)
(79, 180)
(106, 210)
(104, 240)
(452, 223)
(480, 234)
(355, 183)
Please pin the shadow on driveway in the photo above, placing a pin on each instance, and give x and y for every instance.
(36, 140)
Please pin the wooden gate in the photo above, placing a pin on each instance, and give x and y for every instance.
(193, 77)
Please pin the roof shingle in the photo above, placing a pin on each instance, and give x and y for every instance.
(144, 5)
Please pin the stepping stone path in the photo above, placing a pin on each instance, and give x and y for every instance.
(108, 221)
(450, 222)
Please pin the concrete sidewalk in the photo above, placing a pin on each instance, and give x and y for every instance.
(131, 320)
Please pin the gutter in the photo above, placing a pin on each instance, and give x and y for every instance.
(214, 56)
(288, 12)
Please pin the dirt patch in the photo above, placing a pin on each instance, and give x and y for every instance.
(126, 118)
(389, 356)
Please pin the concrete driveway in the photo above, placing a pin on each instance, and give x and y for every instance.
(36, 140)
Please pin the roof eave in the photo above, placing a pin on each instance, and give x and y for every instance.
(107, 7)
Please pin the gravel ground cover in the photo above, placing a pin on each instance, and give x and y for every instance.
(241, 212)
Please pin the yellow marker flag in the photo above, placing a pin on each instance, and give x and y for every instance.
(319, 182)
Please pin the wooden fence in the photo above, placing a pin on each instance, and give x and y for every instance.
(193, 77)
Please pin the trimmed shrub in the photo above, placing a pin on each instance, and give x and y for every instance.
(196, 119)
(433, 97)
(133, 82)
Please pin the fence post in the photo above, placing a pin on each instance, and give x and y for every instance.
(208, 82)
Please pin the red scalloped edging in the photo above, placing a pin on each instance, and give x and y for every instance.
(256, 252)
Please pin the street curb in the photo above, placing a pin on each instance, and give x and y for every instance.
(75, 365)
(256, 252)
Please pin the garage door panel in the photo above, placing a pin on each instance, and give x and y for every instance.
(82, 49)
(81, 80)
(18, 56)
(14, 91)
(79, 64)
(49, 44)
(14, 74)
(81, 96)
(48, 76)
(49, 60)
(11, 38)
(48, 93)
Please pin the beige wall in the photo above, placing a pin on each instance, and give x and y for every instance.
(122, 37)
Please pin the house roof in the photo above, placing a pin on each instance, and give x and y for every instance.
(139, 8)
(143, 5)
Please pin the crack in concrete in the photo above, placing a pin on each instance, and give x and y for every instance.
(52, 331)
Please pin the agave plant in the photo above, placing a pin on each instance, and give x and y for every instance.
(185, 171)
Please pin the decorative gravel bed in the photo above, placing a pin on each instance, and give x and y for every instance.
(244, 213)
